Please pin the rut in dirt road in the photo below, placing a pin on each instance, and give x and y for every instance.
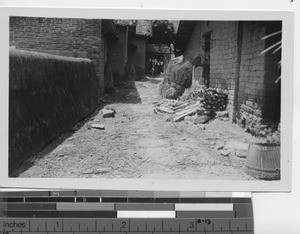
(138, 143)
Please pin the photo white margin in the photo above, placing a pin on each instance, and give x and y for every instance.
(284, 184)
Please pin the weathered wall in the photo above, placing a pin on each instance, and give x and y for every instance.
(223, 57)
(61, 36)
(252, 72)
(193, 50)
(259, 94)
(47, 94)
(236, 66)
(118, 53)
(139, 55)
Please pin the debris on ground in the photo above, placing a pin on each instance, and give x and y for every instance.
(108, 112)
(199, 105)
(225, 152)
(98, 126)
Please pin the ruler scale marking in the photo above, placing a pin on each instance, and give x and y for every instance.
(212, 215)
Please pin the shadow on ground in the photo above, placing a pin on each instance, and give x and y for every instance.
(126, 92)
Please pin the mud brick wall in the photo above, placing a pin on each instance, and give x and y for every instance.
(259, 94)
(193, 49)
(47, 95)
(61, 36)
(252, 72)
(223, 57)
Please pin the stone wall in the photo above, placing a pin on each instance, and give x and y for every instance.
(61, 36)
(48, 94)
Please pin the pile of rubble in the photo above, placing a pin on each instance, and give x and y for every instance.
(107, 112)
(268, 130)
(199, 106)
(193, 111)
(213, 99)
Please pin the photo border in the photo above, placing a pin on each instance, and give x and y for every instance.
(284, 184)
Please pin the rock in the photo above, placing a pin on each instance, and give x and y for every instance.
(220, 146)
(212, 143)
(107, 113)
(263, 126)
(98, 126)
(262, 133)
(225, 119)
(241, 153)
(237, 145)
(222, 114)
(169, 119)
(200, 111)
(225, 152)
(202, 119)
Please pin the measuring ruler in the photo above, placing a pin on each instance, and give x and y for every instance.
(101, 212)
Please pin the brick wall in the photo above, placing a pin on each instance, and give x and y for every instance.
(236, 66)
(252, 70)
(223, 57)
(259, 94)
(61, 36)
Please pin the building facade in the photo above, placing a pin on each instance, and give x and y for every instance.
(234, 63)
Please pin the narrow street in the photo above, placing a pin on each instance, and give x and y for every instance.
(138, 143)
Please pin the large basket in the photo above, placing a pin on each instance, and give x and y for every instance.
(263, 161)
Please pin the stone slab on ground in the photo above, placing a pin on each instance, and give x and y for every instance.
(108, 113)
(98, 126)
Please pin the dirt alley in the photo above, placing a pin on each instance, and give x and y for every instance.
(138, 143)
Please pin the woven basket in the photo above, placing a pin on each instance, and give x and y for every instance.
(263, 161)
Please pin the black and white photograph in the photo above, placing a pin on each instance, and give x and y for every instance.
(153, 99)
(145, 99)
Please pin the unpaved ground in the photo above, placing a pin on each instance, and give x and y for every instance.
(139, 143)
